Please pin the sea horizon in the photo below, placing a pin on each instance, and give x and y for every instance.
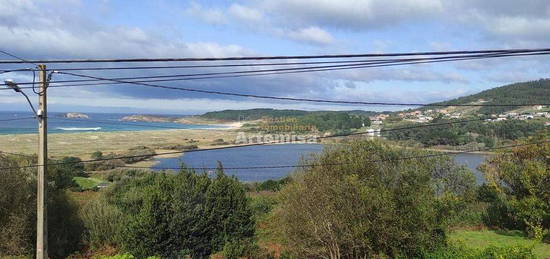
(10, 123)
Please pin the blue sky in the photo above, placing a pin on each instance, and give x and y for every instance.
(162, 28)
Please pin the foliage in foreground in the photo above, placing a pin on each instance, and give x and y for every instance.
(18, 210)
(460, 251)
(518, 184)
(357, 207)
(172, 215)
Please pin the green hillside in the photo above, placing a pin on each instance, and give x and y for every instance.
(255, 114)
(518, 93)
(251, 114)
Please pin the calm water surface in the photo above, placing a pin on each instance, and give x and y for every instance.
(273, 155)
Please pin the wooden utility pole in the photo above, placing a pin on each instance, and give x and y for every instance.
(41, 196)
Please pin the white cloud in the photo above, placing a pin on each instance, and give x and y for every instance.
(253, 18)
(180, 105)
(405, 74)
(358, 14)
(311, 34)
(209, 15)
(521, 27)
(244, 13)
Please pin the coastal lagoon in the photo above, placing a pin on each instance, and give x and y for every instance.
(274, 155)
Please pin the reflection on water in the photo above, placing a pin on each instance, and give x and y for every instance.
(472, 161)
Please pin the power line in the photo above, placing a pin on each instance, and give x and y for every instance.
(353, 65)
(336, 164)
(16, 119)
(374, 61)
(16, 70)
(16, 57)
(276, 57)
(229, 147)
(313, 68)
(16, 154)
(292, 98)
(283, 72)
(317, 138)
(331, 136)
(212, 66)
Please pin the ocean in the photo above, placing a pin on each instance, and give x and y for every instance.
(97, 122)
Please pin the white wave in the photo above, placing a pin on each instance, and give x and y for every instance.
(78, 129)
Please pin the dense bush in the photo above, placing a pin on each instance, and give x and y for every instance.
(62, 172)
(459, 251)
(103, 223)
(461, 134)
(262, 204)
(136, 154)
(268, 185)
(519, 181)
(358, 206)
(104, 165)
(18, 212)
(173, 215)
(108, 162)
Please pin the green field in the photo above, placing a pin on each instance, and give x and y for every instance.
(87, 183)
(486, 238)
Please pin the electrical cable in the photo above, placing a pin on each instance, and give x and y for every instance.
(292, 98)
(192, 151)
(378, 63)
(16, 119)
(337, 164)
(284, 166)
(330, 56)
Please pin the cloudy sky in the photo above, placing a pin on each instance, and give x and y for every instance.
(161, 28)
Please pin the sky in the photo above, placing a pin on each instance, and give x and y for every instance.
(52, 29)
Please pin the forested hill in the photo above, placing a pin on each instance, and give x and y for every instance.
(518, 93)
(254, 114)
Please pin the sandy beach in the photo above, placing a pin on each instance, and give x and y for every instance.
(82, 144)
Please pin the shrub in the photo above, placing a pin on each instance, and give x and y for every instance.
(357, 207)
(63, 171)
(184, 214)
(97, 155)
(487, 193)
(103, 223)
(273, 185)
(125, 256)
(137, 154)
(237, 248)
(519, 181)
(104, 165)
(262, 205)
(460, 251)
(18, 213)
(180, 147)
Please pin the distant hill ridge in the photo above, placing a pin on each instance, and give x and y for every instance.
(517, 93)
(255, 114)
(537, 91)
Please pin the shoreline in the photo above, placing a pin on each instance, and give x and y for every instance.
(83, 144)
(213, 126)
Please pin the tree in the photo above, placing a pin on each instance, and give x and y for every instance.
(357, 207)
(520, 180)
(63, 171)
(184, 214)
(18, 212)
